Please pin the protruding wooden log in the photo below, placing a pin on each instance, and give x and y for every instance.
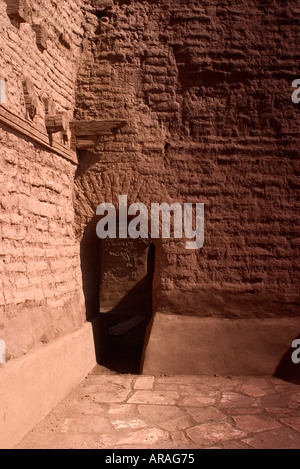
(86, 133)
(84, 143)
(18, 10)
(102, 4)
(49, 105)
(57, 123)
(65, 41)
(30, 98)
(41, 36)
(96, 127)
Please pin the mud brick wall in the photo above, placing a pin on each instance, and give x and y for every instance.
(41, 288)
(206, 90)
(40, 273)
(52, 71)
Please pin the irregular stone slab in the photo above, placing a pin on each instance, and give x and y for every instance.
(179, 423)
(293, 422)
(194, 400)
(277, 400)
(149, 436)
(252, 390)
(234, 445)
(209, 414)
(90, 424)
(222, 383)
(243, 410)
(145, 437)
(179, 440)
(134, 424)
(253, 424)
(259, 382)
(144, 382)
(275, 439)
(200, 389)
(85, 406)
(121, 410)
(167, 387)
(200, 395)
(154, 397)
(180, 379)
(283, 387)
(103, 380)
(213, 433)
(232, 399)
(283, 411)
(108, 395)
(158, 413)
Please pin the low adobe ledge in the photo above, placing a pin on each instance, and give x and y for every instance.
(31, 386)
(227, 347)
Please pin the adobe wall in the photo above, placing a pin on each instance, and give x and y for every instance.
(205, 91)
(49, 346)
(41, 289)
(205, 88)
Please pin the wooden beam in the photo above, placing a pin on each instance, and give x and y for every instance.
(85, 143)
(57, 122)
(41, 35)
(96, 127)
(30, 97)
(40, 136)
(18, 10)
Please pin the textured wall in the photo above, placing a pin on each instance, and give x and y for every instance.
(40, 274)
(41, 288)
(53, 70)
(206, 90)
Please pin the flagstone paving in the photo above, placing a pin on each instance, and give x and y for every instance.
(123, 411)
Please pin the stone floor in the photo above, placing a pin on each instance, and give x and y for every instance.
(119, 411)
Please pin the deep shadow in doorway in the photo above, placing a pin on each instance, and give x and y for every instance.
(90, 259)
(119, 334)
(127, 325)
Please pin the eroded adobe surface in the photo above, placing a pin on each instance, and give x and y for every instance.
(198, 98)
(41, 289)
(205, 89)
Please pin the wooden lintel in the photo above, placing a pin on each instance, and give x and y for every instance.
(96, 127)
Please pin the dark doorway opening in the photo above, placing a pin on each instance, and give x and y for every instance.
(117, 284)
(117, 279)
(127, 270)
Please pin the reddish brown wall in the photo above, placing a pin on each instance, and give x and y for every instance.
(206, 90)
(41, 289)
